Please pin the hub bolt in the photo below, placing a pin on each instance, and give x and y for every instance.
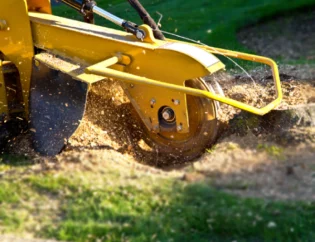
(168, 114)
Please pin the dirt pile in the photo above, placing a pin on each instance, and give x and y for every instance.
(250, 147)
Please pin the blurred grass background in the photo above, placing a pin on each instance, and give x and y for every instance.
(212, 22)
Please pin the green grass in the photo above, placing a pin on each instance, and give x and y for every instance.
(212, 22)
(117, 206)
(272, 150)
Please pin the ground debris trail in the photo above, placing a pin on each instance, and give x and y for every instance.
(255, 156)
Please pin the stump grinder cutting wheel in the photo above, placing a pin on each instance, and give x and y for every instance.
(48, 63)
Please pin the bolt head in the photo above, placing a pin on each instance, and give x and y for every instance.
(3, 24)
(179, 127)
(140, 35)
(166, 115)
(176, 102)
(153, 101)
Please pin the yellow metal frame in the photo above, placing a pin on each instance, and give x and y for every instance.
(103, 70)
(257, 59)
(42, 6)
(152, 59)
(139, 52)
(16, 41)
(154, 70)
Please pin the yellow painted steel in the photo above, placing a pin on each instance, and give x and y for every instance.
(89, 44)
(252, 58)
(3, 94)
(258, 59)
(74, 70)
(16, 42)
(155, 73)
(155, 70)
(104, 71)
(42, 6)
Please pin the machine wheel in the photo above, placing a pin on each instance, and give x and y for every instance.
(203, 129)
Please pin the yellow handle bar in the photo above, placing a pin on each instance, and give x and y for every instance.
(102, 69)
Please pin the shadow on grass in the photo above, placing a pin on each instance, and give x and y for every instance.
(11, 160)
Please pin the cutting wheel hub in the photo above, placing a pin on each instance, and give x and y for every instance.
(203, 127)
(168, 114)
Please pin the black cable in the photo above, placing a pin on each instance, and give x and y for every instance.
(146, 18)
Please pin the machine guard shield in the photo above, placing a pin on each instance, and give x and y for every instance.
(57, 105)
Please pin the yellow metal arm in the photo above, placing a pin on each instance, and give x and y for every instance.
(103, 70)
(253, 58)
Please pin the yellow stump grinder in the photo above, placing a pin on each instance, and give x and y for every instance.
(48, 63)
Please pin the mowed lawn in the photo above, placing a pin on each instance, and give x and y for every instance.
(94, 201)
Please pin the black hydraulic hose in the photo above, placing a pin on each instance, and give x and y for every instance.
(75, 4)
(82, 6)
(88, 7)
(146, 18)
